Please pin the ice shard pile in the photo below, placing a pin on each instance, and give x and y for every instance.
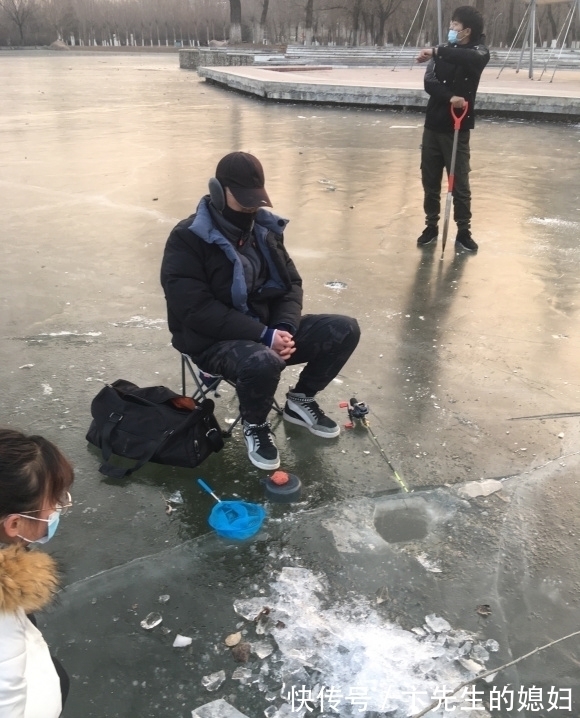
(344, 658)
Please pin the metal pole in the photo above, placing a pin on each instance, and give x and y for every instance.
(495, 19)
(526, 37)
(440, 22)
(532, 38)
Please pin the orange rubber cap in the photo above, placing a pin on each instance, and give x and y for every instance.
(279, 478)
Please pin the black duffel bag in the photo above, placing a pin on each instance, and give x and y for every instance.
(151, 424)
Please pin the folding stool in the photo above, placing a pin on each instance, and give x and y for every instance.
(208, 383)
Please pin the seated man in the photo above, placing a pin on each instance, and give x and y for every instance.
(234, 303)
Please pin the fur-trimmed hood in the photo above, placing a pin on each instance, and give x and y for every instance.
(28, 579)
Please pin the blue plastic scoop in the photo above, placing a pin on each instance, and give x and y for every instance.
(234, 519)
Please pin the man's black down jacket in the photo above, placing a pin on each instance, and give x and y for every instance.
(455, 70)
(204, 285)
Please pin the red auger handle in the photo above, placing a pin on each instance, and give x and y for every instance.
(458, 118)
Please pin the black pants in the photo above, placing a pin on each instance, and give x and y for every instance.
(323, 341)
(436, 149)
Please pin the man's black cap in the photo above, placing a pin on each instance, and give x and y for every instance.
(244, 175)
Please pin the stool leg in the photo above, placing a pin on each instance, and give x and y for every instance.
(182, 375)
(228, 432)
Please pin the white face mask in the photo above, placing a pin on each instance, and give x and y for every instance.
(52, 522)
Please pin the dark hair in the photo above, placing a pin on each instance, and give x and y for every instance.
(469, 17)
(31, 469)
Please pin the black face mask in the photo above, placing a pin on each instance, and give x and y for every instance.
(241, 220)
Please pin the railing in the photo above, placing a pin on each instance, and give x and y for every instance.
(364, 56)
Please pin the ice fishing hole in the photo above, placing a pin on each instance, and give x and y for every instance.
(402, 523)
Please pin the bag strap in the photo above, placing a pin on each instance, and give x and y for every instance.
(116, 472)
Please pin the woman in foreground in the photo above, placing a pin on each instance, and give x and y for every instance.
(35, 478)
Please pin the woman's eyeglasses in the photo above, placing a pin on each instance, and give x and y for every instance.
(61, 506)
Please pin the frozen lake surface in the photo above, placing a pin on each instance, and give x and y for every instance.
(101, 156)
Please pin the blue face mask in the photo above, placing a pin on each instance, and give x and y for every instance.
(452, 36)
(52, 522)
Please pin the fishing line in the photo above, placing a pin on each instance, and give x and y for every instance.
(358, 411)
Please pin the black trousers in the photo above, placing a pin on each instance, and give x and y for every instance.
(436, 149)
(323, 341)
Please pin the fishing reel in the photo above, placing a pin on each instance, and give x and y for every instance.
(357, 411)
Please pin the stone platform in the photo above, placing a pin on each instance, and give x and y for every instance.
(511, 94)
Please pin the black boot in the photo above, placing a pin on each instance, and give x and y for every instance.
(465, 239)
(429, 234)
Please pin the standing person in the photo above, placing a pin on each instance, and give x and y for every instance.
(234, 304)
(451, 78)
(34, 481)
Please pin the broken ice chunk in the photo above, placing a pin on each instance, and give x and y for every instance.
(262, 648)
(182, 641)
(242, 674)
(382, 594)
(217, 709)
(292, 575)
(151, 620)
(479, 654)
(485, 487)
(427, 563)
(249, 608)
(176, 498)
(492, 645)
(471, 666)
(437, 624)
(164, 598)
(213, 681)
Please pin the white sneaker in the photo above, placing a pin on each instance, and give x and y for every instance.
(262, 450)
(304, 411)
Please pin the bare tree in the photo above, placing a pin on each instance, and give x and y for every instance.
(235, 20)
(60, 16)
(263, 18)
(384, 9)
(19, 12)
(151, 22)
(308, 31)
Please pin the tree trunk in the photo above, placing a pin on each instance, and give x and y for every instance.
(309, 22)
(511, 31)
(235, 21)
(264, 14)
(552, 22)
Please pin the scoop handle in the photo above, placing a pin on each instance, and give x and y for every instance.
(206, 488)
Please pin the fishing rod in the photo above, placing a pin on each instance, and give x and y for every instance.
(358, 411)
